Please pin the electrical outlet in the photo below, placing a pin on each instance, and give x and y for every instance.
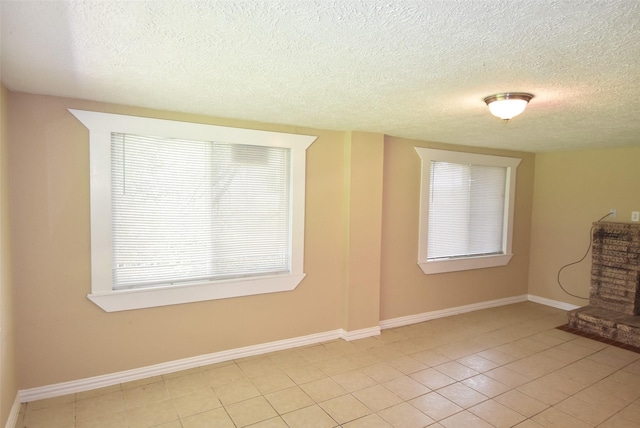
(635, 215)
(612, 211)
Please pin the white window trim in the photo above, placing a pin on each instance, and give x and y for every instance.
(474, 262)
(100, 126)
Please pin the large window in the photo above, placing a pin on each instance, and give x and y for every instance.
(466, 210)
(184, 212)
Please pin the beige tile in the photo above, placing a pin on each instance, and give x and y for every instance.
(272, 382)
(236, 391)
(172, 424)
(323, 389)
(462, 395)
(50, 402)
(596, 396)
(369, 421)
(407, 365)
(304, 374)
(507, 377)
(145, 394)
(112, 420)
(430, 358)
(219, 376)
(477, 363)
(259, 367)
(196, 402)
(341, 346)
(404, 415)
(377, 397)
(186, 384)
(386, 353)
(383, 372)
(344, 409)
(251, 411)
(586, 412)
(497, 356)
(562, 383)
(617, 421)
(460, 349)
(309, 417)
(335, 365)
(521, 403)
(464, 419)
(288, 400)
(633, 368)
(277, 422)
(496, 414)
(435, 406)
(213, 418)
(548, 394)
(406, 388)
(54, 416)
(180, 373)
(456, 371)
(535, 366)
(287, 358)
(631, 412)
(529, 424)
(100, 405)
(362, 359)
(152, 414)
(486, 385)
(432, 378)
(141, 382)
(98, 391)
(565, 356)
(554, 418)
(354, 380)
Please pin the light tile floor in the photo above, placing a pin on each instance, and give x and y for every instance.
(499, 367)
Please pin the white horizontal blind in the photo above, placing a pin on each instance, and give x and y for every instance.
(466, 210)
(185, 211)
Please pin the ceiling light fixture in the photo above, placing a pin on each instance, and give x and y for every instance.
(508, 105)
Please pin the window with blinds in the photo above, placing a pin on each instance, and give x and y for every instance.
(185, 211)
(466, 210)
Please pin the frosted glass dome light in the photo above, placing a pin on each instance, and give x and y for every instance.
(508, 105)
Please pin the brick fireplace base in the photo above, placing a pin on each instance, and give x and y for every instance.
(614, 297)
(607, 324)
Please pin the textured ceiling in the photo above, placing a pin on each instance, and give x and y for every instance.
(411, 68)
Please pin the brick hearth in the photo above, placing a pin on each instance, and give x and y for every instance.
(614, 298)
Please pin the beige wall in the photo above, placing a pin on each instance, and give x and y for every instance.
(405, 289)
(8, 381)
(361, 229)
(572, 190)
(63, 336)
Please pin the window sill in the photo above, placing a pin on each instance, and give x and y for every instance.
(124, 300)
(469, 263)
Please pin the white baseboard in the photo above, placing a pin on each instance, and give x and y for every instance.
(360, 334)
(95, 382)
(553, 303)
(426, 316)
(12, 420)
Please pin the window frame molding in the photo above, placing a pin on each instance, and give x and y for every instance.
(100, 126)
(427, 155)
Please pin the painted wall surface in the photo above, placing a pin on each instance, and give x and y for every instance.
(8, 380)
(62, 336)
(572, 190)
(364, 153)
(405, 289)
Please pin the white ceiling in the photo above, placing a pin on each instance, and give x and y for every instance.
(409, 68)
